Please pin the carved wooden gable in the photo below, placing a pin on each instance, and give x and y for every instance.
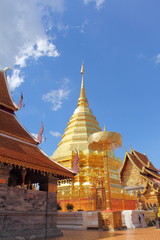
(131, 175)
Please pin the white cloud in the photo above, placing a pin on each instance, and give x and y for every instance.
(41, 48)
(23, 31)
(55, 5)
(56, 97)
(99, 3)
(55, 134)
(15, 79)
(158, 58)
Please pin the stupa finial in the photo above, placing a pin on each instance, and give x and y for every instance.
(82, 72)
(82, 98)
(82, 68)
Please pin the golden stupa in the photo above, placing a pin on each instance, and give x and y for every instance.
(87, 190)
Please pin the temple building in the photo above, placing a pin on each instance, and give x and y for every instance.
(87, 190)
(28, 178)
(141, 178)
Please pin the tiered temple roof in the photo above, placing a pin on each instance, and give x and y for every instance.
(17, 146)
(10, 126)
(142, 163)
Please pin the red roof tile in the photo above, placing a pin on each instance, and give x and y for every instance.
(5, 98)
(143, 158)
(135, 161)
(9, 125)
(29, 156)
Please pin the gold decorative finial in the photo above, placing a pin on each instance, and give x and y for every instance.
(143, 169)
(125, 149)
(148, 164)
(131, 148)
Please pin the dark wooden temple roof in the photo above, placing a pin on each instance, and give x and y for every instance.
(28, 155)
(9, 125)
(17, 146)
(144, 160)
(142, 163)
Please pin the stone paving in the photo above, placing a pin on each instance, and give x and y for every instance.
(150, 233)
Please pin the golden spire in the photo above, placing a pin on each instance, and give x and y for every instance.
(82, 98)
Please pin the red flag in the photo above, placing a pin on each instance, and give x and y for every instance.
(75, 162)
(20, 102)
(41, 130)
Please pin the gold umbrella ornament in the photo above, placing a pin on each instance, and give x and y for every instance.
(105, 141)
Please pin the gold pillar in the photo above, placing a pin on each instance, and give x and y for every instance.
(107, 180)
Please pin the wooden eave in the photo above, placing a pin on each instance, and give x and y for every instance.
(13, 151)
(124, 163)
(9, 125)
(155, 174)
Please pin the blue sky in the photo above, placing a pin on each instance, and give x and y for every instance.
(119, 42)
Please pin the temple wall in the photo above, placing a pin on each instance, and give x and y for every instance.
(82, 190)
(128, 203)
(27, 213)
